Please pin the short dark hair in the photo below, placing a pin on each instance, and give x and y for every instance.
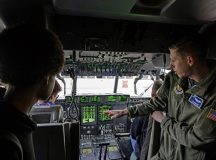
(192, 43)
(28, 53)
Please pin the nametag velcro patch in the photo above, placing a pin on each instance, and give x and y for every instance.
(212, 115)
(196, 101)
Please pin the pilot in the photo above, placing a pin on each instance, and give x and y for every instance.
(188, 96)
(139, 132)
(30, 59)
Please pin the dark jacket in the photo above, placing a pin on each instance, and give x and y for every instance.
(189, 130)
(15, 134)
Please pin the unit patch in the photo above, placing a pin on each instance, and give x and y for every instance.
(178, 89)
(212, 115)
(196, 101)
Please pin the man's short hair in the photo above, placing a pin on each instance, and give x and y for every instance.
(193, 43)
(28, 53)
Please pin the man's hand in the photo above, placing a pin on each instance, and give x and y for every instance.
(158, 116)
(116, 113)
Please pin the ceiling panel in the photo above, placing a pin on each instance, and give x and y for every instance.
(141, 10)
(105, 6)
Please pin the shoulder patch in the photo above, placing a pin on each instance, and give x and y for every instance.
(178, 89)
(212, 115)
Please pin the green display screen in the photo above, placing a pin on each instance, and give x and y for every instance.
(112, 148)
(96, 99)
(87, 151)
(88, 114)
(123, 98)
(111, 98)
(84, 99)
(101, 116)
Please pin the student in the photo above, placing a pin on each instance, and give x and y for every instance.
(30, 59)
(188, 96)
(139, 128)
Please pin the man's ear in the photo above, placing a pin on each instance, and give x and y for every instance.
(190, 60)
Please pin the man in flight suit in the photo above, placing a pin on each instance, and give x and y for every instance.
(188, 96)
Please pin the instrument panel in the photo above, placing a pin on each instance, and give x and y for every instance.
(97, 130)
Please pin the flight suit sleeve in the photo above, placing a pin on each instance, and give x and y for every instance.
(159, 103)
(200, 135)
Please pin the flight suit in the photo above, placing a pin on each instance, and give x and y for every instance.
(189, 129)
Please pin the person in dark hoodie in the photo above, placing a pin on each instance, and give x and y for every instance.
(30, 59)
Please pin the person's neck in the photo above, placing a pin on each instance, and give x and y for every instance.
(200, 73)
(22, 99)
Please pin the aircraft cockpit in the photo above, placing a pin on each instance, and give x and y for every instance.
(93, 82)
(114, 51)
(126, 78)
